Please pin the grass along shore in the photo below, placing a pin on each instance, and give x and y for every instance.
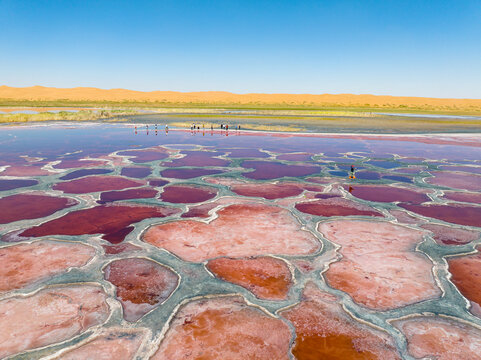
(196, 107)
(261, 120)
(81, 115)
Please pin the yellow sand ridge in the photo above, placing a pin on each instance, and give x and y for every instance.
(40, 93)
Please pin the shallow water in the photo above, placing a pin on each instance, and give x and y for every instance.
(431, 116)
(185, 243)
(378, 123)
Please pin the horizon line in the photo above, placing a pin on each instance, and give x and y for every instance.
(233, 93)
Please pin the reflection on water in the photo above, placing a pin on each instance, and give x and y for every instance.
(90, 140)
(210, 234)
(435, 116)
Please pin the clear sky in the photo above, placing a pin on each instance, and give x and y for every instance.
(403, 47)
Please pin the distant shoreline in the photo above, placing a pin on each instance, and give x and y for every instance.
(297, 122)
(471, 139)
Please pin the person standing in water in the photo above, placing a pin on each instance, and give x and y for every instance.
(352, 176)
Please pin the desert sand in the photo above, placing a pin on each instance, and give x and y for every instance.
(40, 93)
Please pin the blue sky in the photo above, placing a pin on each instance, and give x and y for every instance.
(404, 47)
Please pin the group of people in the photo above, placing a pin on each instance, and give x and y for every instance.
(195, 126)
(226, 127)
(155, 128)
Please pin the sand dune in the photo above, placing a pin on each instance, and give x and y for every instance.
(221, 97)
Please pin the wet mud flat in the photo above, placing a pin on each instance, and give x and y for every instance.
(122, 243)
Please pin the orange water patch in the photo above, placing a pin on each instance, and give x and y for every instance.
(268, 278)
(325, 331)
(466, 275)
(224, 328)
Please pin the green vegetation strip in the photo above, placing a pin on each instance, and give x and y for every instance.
(82, 115)
(366, 108)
